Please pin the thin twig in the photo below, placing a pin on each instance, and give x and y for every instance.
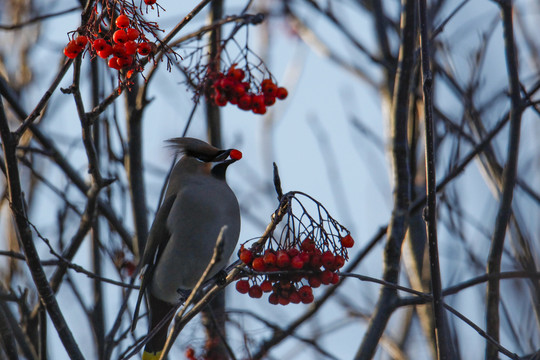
(43, 101)
(38, 19)
(430, 212)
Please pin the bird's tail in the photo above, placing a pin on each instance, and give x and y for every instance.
(151, 355)
(160, 310)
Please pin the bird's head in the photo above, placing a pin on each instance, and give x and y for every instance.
(205, 153)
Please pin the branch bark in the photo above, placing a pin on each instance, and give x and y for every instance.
(509, 181)
(430, 214)
(400, 214)
(9, 146)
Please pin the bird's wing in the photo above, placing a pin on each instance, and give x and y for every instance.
(157, 240)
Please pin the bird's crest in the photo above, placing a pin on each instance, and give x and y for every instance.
(202, 150)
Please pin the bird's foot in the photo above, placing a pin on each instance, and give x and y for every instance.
(221, 277)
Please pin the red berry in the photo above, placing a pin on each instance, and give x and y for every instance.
(339, 261)
(220, 99)
(308, 245)
(227, 84)
(114, 63)
(129, 267)
(260, 110)
(99, 44)
(257, 104)
(327, 259)
(235, 154)
(120, 36)
(295, 298)
(132, 34)
(283, 259)
(218, 83)
(131, 47)
(305, 292)
(269, 100)
(268, 87)
(315, 261)
(273, 299)
(246, 256)
(122, 21)
(326, 277)
(238, 74)
(281, 93)
(266, 286)
(149, 2)
(335, 278)
(81, 41)
(105, 52)
(72, 50)
(297, 262)
(347, 241)
(119, 50)
(293, 252)
(304, 256)
(242, 286)
(239, 90)
(283, 300)
(314, 281)
(308, 299)
(244, 102)
(258, 264)
(190, 353)
(144, 49)
(269, 258)
(125, 61)
(232, 98)
(255, 292)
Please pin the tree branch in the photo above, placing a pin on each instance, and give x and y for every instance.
(9, 146)
(509, 181)
(430, 212)
(400, 214)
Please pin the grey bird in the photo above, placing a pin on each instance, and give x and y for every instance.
(197, 204)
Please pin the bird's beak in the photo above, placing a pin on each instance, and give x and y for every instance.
(223, 155)
(234, 155)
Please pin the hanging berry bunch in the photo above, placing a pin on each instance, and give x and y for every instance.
(116, 32)
(308, 253)
(232, 87)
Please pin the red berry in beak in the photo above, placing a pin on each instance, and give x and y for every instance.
(235, 154)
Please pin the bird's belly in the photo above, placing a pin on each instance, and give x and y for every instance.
(191, 246)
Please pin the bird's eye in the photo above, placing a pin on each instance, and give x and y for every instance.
(235, 154)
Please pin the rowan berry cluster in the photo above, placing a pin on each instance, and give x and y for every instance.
(121, 50)
(230, 87)
(293, 272)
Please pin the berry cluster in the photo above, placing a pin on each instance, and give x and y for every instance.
(289, 269)
(121, 49)
(231, 88)
(75, 46)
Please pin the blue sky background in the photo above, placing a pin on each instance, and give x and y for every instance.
(346, 172)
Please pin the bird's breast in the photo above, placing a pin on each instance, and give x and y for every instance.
(197, 215)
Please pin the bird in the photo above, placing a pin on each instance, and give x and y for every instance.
(198, 203)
